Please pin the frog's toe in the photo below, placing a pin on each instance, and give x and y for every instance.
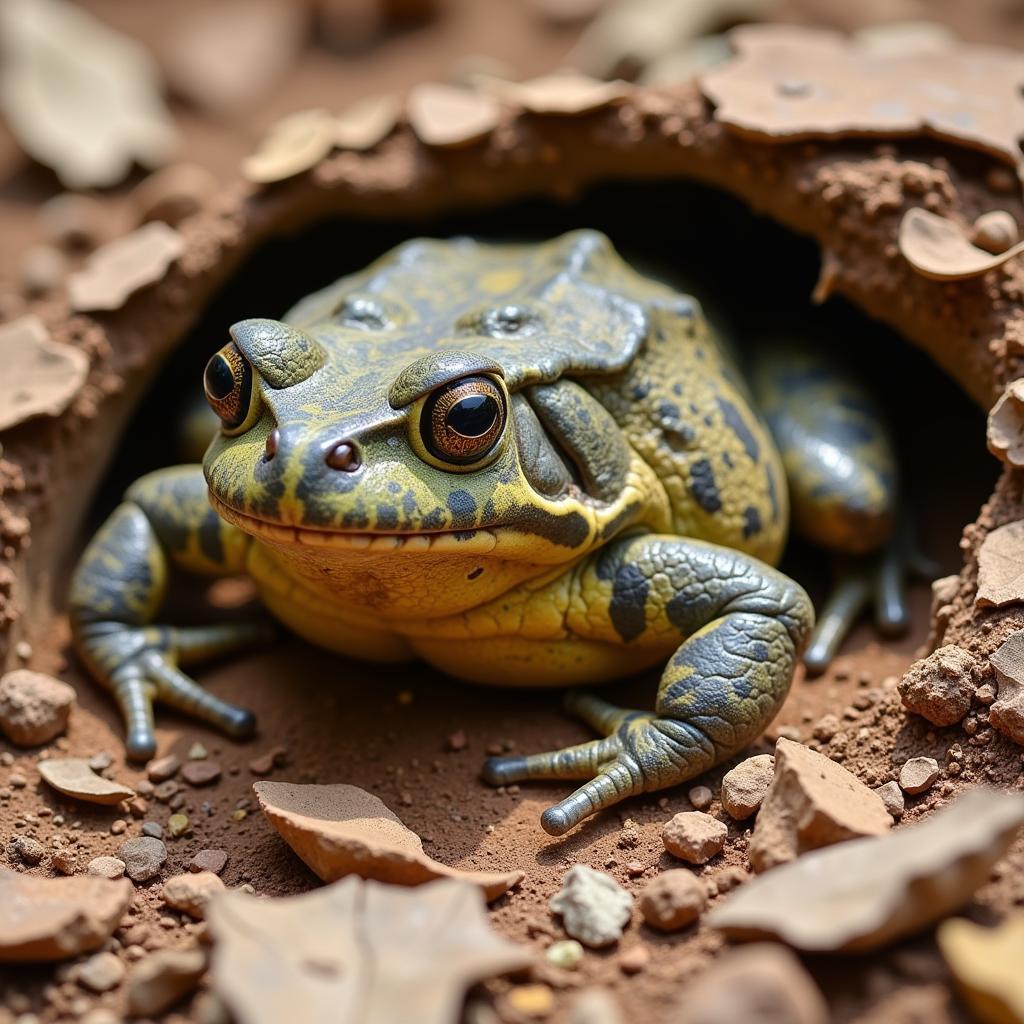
(500, 771)
(178, 690)
(134, 697)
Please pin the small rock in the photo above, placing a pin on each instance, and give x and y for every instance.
(166, 976)
(177, 825)
(201, 773)
(72, 776)
(190, 893)
(456, 741)
(106, 867)
(34, 708)
(163, 768)
(153, 829)
(764, 982)
(700, 797)
(918, 774)
(941, 686)
(1007, 712)
(101, 972)
(744, 787)
(594, 907)
(812, 802)
(143, 858)
(209, 860)
(533, 1001)
(634, 960)
(100, 761)
(892, 797)
(694, 836)
(566, 954)
(197, 752)
(30, 851)
(995, 231)
(673, 900)
(266, 763)
(64, 861)
(45, 919)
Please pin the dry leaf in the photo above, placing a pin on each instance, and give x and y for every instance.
(445, 115)
(937, 248)
(355, 951)
(866, 893)
(40, 377)
(80, 97)
(1006, 714)
(986, 964)
(367, 122)
(120, 268)
(559, 93)
(227, 55)
(1005, 434)
(1001, 567)
(343, 830)
(293, 145)
(790, 83)
(73, 777)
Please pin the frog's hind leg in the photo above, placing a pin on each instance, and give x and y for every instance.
(844, 488)
(742, 625)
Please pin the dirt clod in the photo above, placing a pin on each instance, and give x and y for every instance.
(672, 900)
(940, 686)
(694, 836)
(156, 983)
(190, 893)
(745, 786)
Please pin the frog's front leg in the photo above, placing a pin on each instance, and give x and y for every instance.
(119, 586)
(743, 627)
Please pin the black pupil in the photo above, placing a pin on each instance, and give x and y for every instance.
(220, 380)
(473, 416)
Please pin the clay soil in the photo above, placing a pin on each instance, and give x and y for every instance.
(389, 730)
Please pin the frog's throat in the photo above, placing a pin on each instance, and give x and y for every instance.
(475, 541)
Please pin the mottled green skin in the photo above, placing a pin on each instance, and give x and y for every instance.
(625, 518)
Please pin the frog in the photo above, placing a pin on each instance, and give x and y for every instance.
(526, 465)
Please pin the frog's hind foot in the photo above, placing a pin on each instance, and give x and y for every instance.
(878, 581)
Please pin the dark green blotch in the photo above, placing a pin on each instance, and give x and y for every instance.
(703, 486)
(629, 598)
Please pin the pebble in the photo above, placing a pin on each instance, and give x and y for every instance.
(634, 960)
(456, 741)
(29, 851)
(940, 687)
(143, 858)
(761, 982)
(190, 893)
(531, 1000)
(158, 982)
(34, 708)
(177, 825)
(996, 231)
(566, 954)
(64, 861)
(153, 829)
(118, 827)
(744, 787)
(163, 768)
(197, 752)
(266, 763)
(918, 775)
(101, 972)
(106, 867)
(700, 797)
(673, 900)
(892, 797)
(812, 802)
(594, 907)
(201, 773)
(694, 836)
(209, 860)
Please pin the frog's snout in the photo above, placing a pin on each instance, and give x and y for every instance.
(343, 455)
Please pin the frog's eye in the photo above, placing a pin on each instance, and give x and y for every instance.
(228, 383)
(463, 421)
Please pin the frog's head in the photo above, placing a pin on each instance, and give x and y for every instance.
(421, 406)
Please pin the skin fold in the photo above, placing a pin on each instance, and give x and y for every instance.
(526, 465)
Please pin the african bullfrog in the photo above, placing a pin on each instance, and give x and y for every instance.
(526, 465)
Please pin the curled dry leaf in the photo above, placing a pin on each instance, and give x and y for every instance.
(1001, 567)
(367, 122)
(40, 377)
(937, 248)
(72, 776)
(1005, 434)
(343, 830)
(790, 83)
(120, 268)
(986, 965)
(559, 93)
(355, 951)
(445, 115)
(80, 97)
(293, 145)
(866, 893)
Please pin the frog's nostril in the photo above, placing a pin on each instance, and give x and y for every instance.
(273, 440)
(343, 456)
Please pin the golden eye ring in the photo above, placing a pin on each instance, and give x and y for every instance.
(228, 383)
(462, 422)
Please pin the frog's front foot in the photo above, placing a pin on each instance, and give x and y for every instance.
(878, 581)
(140, 666)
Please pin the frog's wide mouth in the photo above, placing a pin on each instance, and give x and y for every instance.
(476, 541)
